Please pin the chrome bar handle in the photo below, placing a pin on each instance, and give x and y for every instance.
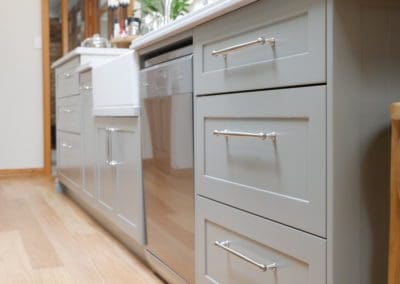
(113, 163)
(109, 138)
(110, 160)
(65, 145)
(261, 135)
(67, 75)
(67, 110)
(259, 41)
(85, 88)
(225, 246)
(113, 129)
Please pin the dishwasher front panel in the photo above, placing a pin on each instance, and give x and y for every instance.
(167, 159)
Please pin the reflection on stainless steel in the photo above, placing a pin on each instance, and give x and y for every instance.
(167, 153)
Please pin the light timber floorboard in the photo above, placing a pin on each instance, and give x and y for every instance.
(46, 238)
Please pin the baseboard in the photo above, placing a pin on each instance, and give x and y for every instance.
(21, 172)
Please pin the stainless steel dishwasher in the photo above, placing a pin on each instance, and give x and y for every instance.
(166, 89)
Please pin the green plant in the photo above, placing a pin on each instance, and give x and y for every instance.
(178, 8)
(152, 6)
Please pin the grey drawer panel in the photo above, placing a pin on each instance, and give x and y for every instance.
(69, 157)
(299, 257)
(67, 79)
(297, 58)
(69, 116)
(283, 180)
(85, 83)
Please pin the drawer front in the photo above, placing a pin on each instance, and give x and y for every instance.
(292, 53)
(281, 175)
(67, 79)
(69, 117)
(85, 83)
(69, 160)
(275, 254)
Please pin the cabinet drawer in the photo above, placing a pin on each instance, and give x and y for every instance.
(85, 83)
(69, 161)
(67, 79)
(280, 176)
(275, 254)
(69, 117)
(292, 53)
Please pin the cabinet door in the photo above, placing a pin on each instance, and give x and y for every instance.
(119, 191)
(129, 200)
(89, 154)
(106, 189)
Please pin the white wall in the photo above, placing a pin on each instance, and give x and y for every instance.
(21, 111)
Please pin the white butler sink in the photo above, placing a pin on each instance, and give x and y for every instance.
(116, 87)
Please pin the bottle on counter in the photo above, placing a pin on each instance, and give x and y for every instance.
(124, 17)
(116, 28)
(134, 26)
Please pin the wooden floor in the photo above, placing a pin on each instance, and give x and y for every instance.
(46, 238)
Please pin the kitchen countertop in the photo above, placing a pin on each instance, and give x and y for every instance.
(189, 21)
(88, 51)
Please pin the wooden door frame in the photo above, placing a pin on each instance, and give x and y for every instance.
(46, 90)
(64, 26)
(46, 75)
(46, 80)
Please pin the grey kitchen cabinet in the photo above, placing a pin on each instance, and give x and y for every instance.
(119, 173)
(268, 44)
(89, 135)
(118, 187)
(264, 152)
(237, 247)
(348, 49)
(73, 103)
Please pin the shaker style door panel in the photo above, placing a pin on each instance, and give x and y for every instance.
(270, 43)
(264, 152)
(120, 191)
(129, 206)
(89, 145)
(235, 247)
(106, 173)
